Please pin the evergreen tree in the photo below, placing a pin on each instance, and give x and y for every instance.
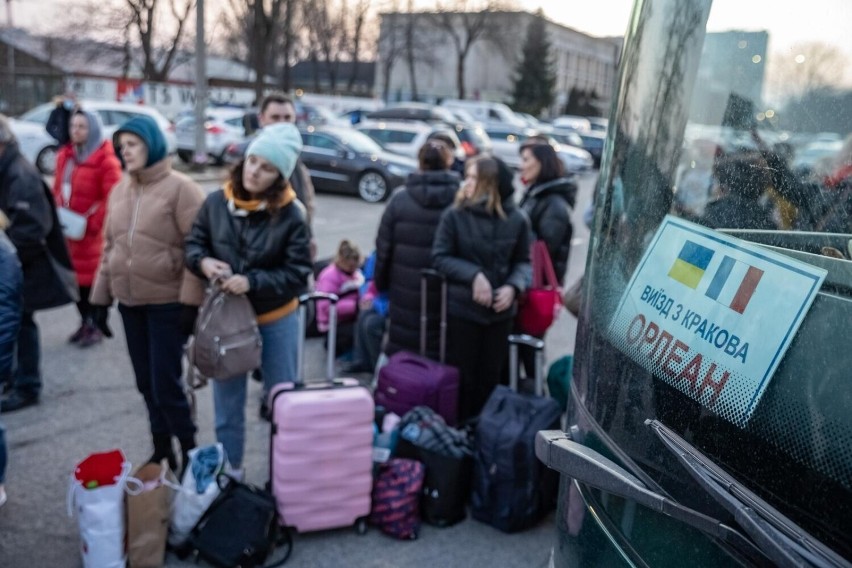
(535, 78)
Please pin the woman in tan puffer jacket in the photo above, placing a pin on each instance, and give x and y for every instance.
(149, 213)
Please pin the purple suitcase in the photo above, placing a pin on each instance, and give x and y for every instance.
(409, 380)
(321, 446)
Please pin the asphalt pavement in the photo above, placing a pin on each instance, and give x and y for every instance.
(89, 403)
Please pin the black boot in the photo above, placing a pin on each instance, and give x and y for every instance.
(163, 450)
(186, 444)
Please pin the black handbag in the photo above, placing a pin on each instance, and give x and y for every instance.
(240, 528)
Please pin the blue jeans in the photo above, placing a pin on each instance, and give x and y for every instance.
(278, 363)
(155, 343)
(26, 377)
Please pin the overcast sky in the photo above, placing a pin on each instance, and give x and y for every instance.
(604, 17)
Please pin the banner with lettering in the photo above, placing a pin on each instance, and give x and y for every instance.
(712, 315)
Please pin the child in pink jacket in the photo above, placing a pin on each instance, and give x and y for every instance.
(342, 277)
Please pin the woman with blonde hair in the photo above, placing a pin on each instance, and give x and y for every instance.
(482, 246)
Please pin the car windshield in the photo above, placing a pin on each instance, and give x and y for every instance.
(724, 220)
(357, 141)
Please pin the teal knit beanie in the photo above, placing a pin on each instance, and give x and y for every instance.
(149, 131)
(280, 145)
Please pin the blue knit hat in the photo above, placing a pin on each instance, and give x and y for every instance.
(279, 144)
(149, 131)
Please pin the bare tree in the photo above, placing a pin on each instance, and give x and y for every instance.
(158, 28)
(465, 23)
(254, 29)
(806, 67)
(390, 46)
(359, 19)
(144, 19)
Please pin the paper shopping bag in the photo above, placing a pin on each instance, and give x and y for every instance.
(149, 500)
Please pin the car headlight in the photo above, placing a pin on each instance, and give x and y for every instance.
(398, 170)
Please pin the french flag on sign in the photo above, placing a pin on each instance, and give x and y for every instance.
(734, 284)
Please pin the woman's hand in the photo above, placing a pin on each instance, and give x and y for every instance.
(482, 292)
(214, 268)
(504, 298)
(236, 284)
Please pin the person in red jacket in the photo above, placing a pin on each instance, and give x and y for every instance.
(86, 170)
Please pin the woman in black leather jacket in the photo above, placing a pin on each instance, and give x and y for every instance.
(482, 246)
(253, 236)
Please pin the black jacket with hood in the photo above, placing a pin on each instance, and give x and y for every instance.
(471, 240)
(35, 231)
(404, 248)
(549, 206)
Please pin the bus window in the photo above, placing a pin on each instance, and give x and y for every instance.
(734, 120)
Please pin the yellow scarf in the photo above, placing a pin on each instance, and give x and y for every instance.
(251, 205)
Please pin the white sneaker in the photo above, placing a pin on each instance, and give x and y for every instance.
(3, 497)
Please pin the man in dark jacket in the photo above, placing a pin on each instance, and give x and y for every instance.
(404, 247)
(274, 108)
(11, 300)
(49, 280)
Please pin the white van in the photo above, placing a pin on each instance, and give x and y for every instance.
(485, 112)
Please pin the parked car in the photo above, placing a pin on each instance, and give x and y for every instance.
(506, 142)
(575, 160)
(341, 159)
(223, 126)
(474, 139)
(414, 111)
(313, 114)
(406, 137)
(593, 143)
(40, 148)
(578, 123)
(598, 124)
(486, 112)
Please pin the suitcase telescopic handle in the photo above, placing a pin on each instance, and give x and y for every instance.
(304, 300)
(427, 274)
(538, 346)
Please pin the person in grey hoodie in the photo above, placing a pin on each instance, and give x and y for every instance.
(86, 171)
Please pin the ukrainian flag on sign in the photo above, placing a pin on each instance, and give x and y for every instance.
(690, 264)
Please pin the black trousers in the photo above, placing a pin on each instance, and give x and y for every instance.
(155, 343)
(83, 306)
(480, 352)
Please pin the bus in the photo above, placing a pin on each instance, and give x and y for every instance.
(710, 413)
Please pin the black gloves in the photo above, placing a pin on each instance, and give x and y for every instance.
(100, 315)
(188, 314)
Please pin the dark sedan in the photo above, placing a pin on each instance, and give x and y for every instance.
(344, 160)
(593, 143)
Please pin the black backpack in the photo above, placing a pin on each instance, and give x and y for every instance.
(512, 490)
(240, 528)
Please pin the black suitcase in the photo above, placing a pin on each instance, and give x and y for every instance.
(512, 490)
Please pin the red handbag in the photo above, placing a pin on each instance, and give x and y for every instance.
(540, 305)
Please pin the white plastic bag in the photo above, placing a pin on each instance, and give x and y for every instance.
(96, 493)
(190, 503)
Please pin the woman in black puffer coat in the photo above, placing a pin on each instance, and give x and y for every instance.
(548, 202)
(483, 248)
(404, 246)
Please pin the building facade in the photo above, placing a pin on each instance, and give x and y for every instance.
(581, 62)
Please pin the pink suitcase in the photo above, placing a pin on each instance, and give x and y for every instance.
(321, 445)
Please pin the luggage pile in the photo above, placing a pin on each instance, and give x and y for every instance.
(338, 458)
